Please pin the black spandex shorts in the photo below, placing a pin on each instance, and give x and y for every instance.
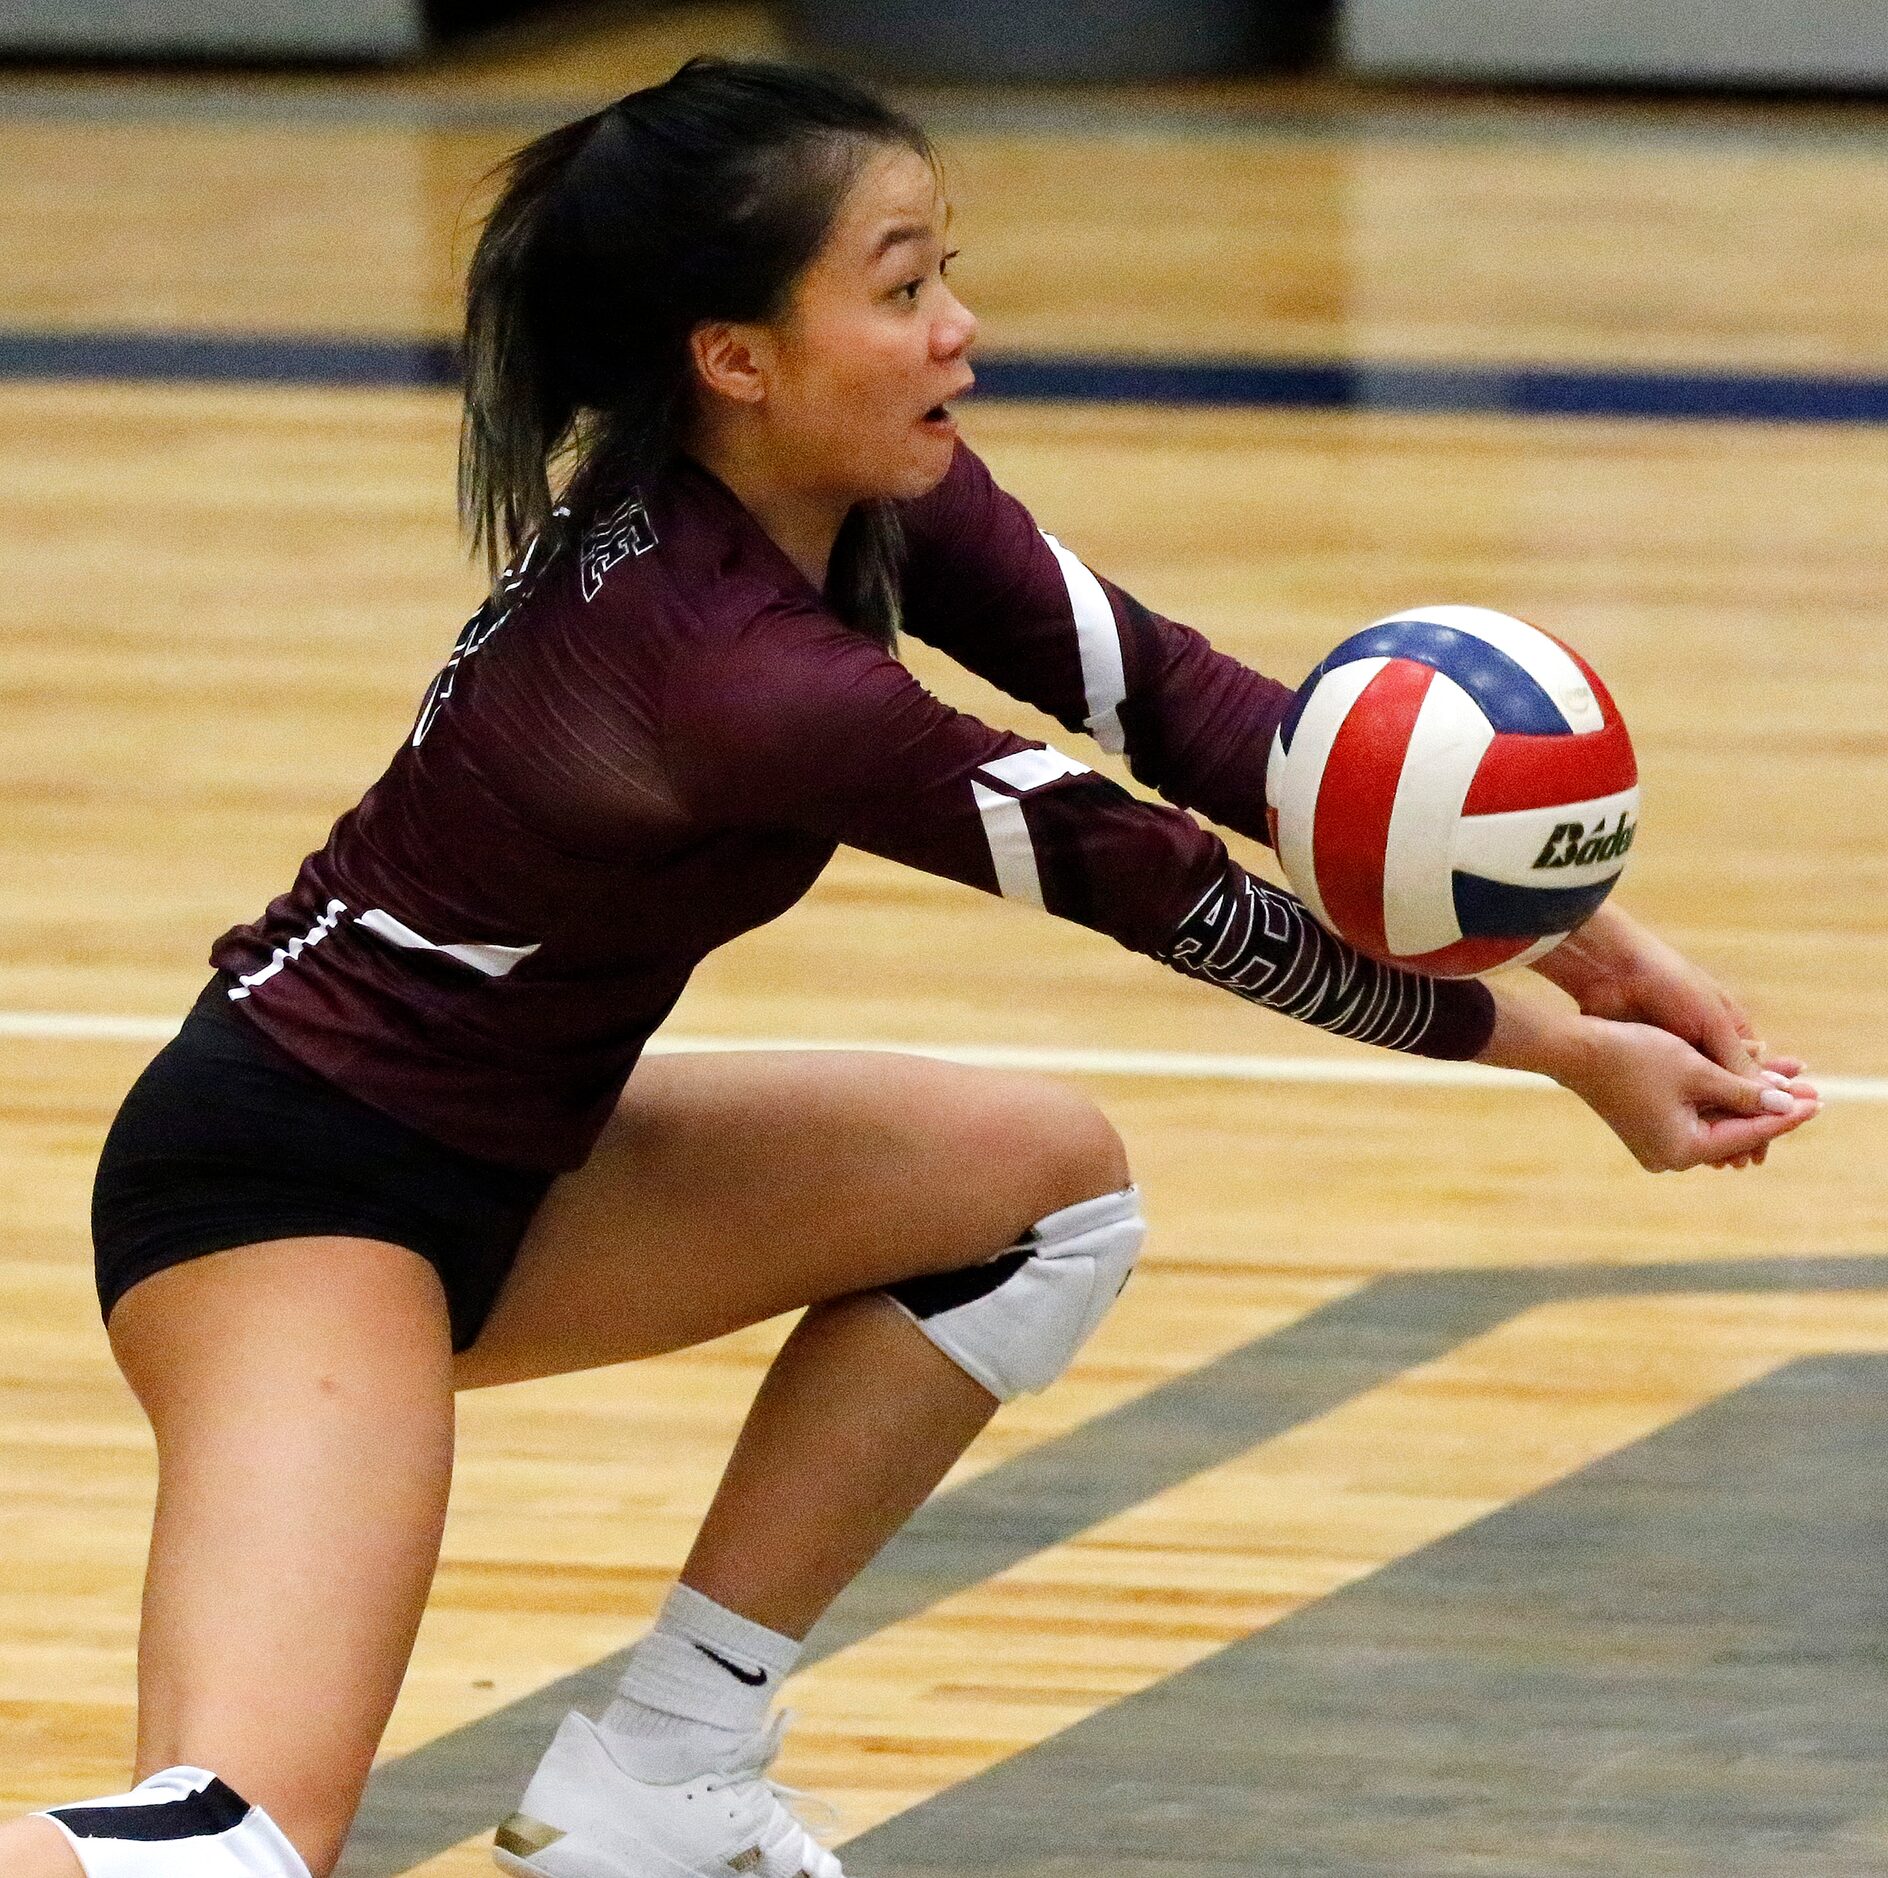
(226, 1140)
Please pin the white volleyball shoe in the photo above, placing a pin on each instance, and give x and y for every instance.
(585, 1815)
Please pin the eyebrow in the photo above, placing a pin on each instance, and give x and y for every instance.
(895, 236)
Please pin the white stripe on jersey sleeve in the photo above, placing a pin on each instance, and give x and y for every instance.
(1098, 640)
(1012, 853)
(1030, 769)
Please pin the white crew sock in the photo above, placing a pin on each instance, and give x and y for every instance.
(696, 1687)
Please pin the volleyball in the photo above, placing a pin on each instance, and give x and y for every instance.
(1452, 790)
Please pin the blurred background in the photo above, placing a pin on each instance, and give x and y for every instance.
(1836, 44)
(1444, 1495)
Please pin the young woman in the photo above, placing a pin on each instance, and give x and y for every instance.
(399, 1149)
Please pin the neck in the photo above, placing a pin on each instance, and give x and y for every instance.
(802, 523)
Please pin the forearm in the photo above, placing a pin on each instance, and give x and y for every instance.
(1199, 723)
(1528, 1033)
(1601, 952)
(1614, 967)
(1251, 939)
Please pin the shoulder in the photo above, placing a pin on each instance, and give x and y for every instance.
(767, 660)
(969, 526)
(676, 533)
(787, 707)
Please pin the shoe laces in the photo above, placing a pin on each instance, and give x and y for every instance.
(753, 1765)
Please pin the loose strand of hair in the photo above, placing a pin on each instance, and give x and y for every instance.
(515, 423)
(866, 584)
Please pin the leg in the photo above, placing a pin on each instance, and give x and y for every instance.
(35, 1848)
(829, 1489)
(730, 1188)
(300, 1393)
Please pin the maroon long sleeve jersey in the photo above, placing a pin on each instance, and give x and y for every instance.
(654, 739)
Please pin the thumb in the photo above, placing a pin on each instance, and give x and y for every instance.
(1717, 1088)
(1728, 1137)
(1723, 1041)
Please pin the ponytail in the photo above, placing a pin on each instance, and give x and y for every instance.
(516, 422)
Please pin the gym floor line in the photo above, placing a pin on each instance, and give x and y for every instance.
(1360, 1354)
(1178, 1065)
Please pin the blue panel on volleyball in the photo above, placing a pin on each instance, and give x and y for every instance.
(1510, 697)
(1491, 909)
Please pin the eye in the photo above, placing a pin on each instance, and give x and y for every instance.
(911, 288)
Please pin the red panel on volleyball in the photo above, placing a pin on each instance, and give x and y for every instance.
(1529, 772)
(1352, 831)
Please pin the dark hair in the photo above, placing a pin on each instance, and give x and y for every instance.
(702, 198)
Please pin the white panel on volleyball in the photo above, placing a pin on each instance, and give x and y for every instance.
(1513, 847)
(1538, 950)
(1539, 656)
(1292, 787)
(1446, 745)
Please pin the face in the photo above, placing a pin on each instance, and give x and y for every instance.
(851, 383)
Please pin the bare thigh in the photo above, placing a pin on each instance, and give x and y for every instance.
(300, 1393)
(730, 1187)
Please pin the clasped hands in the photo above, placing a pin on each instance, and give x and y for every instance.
(1659, 1050)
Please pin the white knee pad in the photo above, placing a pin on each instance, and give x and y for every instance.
(1015, 1322)
(182, 1823)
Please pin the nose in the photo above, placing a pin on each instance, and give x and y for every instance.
(955, 330)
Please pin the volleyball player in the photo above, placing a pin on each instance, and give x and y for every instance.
(404, 1142)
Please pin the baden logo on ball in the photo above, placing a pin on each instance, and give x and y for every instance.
(1431, 769)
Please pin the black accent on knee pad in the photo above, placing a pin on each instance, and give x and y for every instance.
(1014, 1322)
(945, 1291)
(176, 1823)
(201, 1815)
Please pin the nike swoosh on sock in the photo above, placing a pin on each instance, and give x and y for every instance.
(753, 1678)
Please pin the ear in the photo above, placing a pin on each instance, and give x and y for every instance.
(733, 361)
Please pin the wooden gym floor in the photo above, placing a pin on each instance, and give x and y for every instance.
(1445, 1496)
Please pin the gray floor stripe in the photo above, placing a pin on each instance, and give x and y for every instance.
(1670, 1663)
(425, 1801)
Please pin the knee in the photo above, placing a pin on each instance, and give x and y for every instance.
(1089, 1152)
(1043, 1173)
(1052, 1142)
(1015, 1322)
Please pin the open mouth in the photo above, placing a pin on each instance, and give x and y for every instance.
(939, 415)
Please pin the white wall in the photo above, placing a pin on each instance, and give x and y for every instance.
(1788, 42)
(332, 28)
